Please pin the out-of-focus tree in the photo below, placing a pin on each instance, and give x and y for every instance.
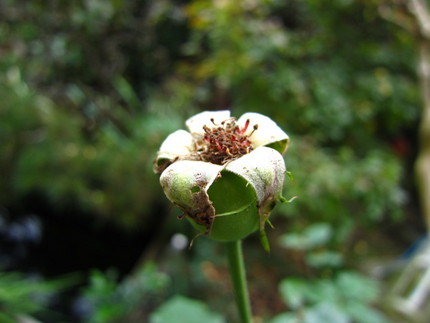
(74, 125)
(414, 17)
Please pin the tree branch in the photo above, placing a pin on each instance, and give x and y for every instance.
(422, 15)
(422, 164)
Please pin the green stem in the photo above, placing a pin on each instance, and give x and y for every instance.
(238, 278)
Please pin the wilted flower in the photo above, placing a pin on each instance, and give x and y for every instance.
(226, 174)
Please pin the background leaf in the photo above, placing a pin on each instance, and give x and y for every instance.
(181, 309)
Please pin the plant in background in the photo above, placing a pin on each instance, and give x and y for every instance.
(22, 298)
(227, 176)
(346, 297)
(193, 311)
(107, 299)
(330, 294)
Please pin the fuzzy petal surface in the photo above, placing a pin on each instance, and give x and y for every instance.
(264, 169)
(186, 182)
(178, 143)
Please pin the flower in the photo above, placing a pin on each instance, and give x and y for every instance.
(225, 174)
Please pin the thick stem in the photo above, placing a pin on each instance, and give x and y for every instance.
(238, 278)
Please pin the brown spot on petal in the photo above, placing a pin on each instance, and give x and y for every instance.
(202, 212)
(161, 164)
(195, 189)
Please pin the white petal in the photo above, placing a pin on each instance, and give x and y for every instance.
(268, 131)
(264, 169)
(186, 182)
(195, 123)
(178, 143)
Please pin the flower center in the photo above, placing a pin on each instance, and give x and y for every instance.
(224, 142)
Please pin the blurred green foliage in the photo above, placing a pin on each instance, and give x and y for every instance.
(91, 88)
(330, 293)
(21, 296)
(108, 300)
(346, 298)
(182, 309)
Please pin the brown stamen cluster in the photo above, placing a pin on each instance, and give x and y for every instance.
(224, 142)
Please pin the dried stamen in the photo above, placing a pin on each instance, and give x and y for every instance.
(224, 142)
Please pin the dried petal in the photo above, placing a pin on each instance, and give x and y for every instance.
(178, 143)
(195, 123)
(268, 132)
(185, 183)
(264, 169)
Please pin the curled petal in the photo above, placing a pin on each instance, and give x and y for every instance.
(264, 169)
(195, 123)
(186, 182)
(177, 144)
(267, 134)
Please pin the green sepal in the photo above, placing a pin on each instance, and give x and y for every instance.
(279, 146)
(235, 203)
(264, 240)
(284, 200)
(290, 176)
(263, 236)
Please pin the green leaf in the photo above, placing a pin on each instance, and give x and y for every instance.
(324, 290)
(357, 287)
(180, 309)
(293, 292)
(325, 312)
(314, 236)
(284, 318)
(362, 313)
(318, 234)
(324, 258)
(293, 241)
